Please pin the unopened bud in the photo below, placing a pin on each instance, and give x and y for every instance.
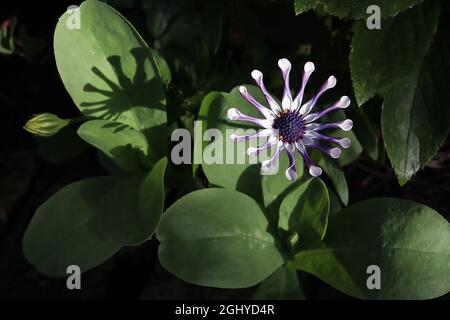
(45, 124)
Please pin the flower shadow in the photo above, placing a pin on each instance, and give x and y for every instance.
(127, 93)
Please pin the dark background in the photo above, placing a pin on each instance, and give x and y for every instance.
(30, 84)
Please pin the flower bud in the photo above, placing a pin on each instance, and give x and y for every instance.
(45, 124)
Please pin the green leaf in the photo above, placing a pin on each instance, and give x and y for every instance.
(304, 212)
(202, 126)
(213, 112)
(415, 117)
(382, 59)
(333, 170)
(217, 237)
(127, 147)
(276, 187)
(108, 70)
(355, 9)
(151, 197)
(283, 284)
(410, 243)
(335, 202)
(163, 67)
(61, 232)
(88, 221)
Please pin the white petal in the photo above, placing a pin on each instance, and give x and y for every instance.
(309, 67)
(286, 103)
(346, 125)
(335, 153)
(232, 113)
(284, 64)
(257, 75)
(315, 171)
(331, 82)
(344, 102)
(344, 142)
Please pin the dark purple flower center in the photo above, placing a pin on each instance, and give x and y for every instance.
(290, 126)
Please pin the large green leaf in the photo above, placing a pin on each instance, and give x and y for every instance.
(304, 213)
(61, 232)
(88, 221)
(382, 59)
(213, 114)
(127, 147)
(409, 242)
(355, 9)
(217, 237)
(108, 69)
(283, 284)
(415, 117)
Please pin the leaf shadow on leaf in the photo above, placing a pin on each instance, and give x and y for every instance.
(143, 157)
(134, 155)
(125, 94)
(118, 127)
(138, 94)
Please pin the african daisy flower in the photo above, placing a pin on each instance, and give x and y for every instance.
(292, 126)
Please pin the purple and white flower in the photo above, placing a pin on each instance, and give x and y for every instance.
(292, 126)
